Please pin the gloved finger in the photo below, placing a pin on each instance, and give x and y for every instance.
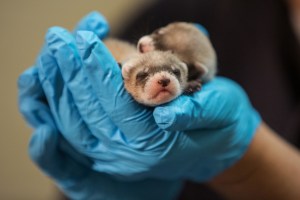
(94, 22)
(80, 182)
(210, 107)
(30, 90)
(62, 106)
(105, 77)
(61, 43)
(31, 100)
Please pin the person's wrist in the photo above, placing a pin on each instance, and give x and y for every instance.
(268, 170)
(243, 169)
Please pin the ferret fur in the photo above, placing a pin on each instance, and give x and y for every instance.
(189, 44)
(173, 59)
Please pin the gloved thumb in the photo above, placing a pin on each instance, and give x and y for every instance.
(220, 103)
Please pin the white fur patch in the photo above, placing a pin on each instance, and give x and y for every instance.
(155, 94)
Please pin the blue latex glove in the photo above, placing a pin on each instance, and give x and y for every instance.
(48, 150)
(194, 137)
(71, 170)
(202, 29)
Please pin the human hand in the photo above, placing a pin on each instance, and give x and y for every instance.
(53, 154)
(194, 137)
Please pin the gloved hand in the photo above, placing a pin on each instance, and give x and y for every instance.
(194, 137)
(71, 170)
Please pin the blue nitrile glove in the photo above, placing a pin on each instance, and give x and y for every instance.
(48, 149)
(71, 170)
(194, 137)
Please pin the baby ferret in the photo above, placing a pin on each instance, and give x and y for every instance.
(172, 60)
(152, 78)
(189, 44)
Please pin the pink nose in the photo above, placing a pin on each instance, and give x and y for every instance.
(164, 82)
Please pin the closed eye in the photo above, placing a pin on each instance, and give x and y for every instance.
(176, 72)
(141, 76)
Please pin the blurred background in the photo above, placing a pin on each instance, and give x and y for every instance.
(23, 26)
(257, 43)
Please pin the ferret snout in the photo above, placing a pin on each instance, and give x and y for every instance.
(145, 44)
(164, 82)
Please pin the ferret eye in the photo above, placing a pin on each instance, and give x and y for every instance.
(141, 76)
(176, 72)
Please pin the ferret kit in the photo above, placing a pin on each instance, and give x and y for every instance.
(172, 60)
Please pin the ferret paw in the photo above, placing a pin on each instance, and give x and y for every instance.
(192, 86)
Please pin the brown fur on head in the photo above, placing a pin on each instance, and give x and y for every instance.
(155, 77)
(188, 43)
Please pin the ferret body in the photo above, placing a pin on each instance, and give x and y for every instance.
(189, 44)
(172, 60)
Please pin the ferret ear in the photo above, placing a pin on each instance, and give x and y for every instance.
(126, 70)
(161, 31)
(201, 68)
(184, 67)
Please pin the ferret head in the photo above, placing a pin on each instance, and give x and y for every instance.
(155, 77)
(187, 42)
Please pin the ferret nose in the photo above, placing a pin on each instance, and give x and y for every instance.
(164, 82)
